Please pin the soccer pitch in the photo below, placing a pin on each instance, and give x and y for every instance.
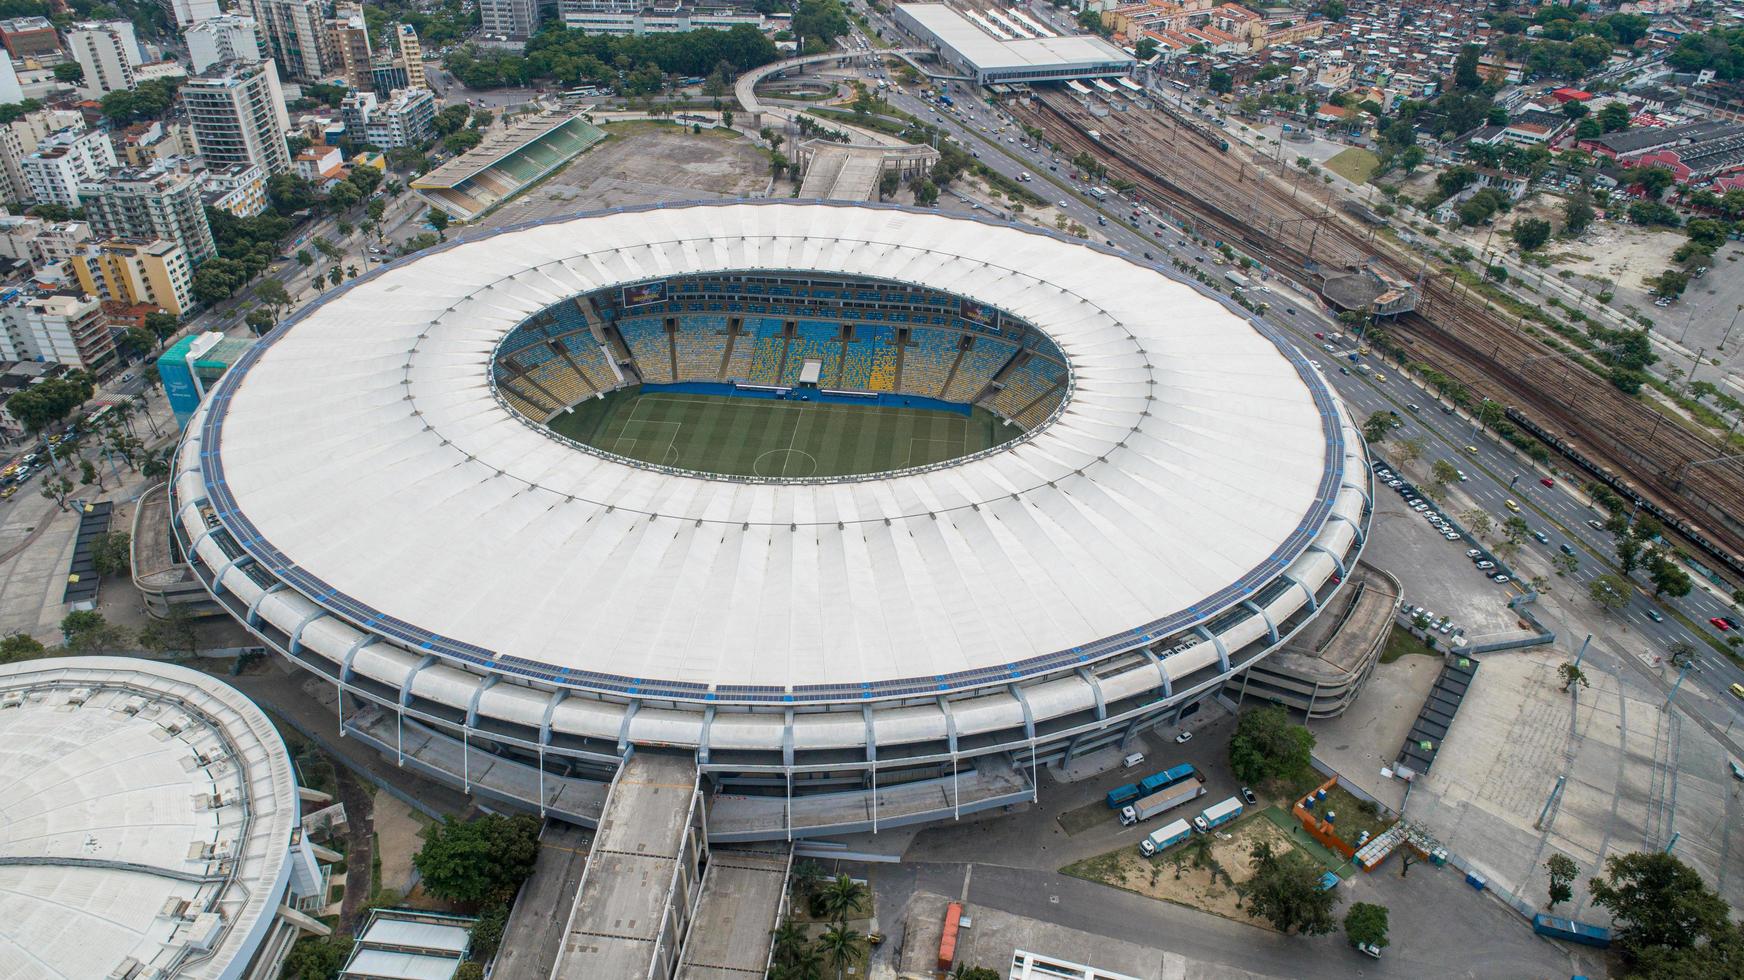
(768, 438)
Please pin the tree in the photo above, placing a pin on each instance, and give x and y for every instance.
(111, 553)
(1285, 891)
(438, 219)
(840, 945)
(487, 932)
(1668, 576)
(1476, 521)
(1653, 180)
(162, 325)
(316, 958)
(335, 275)
(1267, 745)
(1530, 233)
(1577, 211)
(1515, 529)
(20, 646)
(1613, 117)
(1572, 675)
(175, 633)
(1562, 871)
(134, 342)
(1221, 82)
(963, 972)
(1366, 924)
(1496, 273)
(343, 197)
(1410, 451)
(840, 897)
(69, 71)
(259, 321)
(1377, 425)
(1628, 552)
(470, 970)
(1609, 592)
(86, 631)
(1444, 472)
(478, 861)
(1657, 900)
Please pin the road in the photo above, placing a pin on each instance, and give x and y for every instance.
(1497, 471)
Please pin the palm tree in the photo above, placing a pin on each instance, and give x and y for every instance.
(789, 940)
(841, 896)
(841, 946)
(807, 963)
(145, 409)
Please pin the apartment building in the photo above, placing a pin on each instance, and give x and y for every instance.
(411, 55)
(351, 40)
(61, 328)
(108, 52)
(159, 201)
(39, 243)
(137, 273)
(407, 118)
(236, 114)
(513, 21)
(296, 33)
(54, 173)
(238, 188)
(186, 12)
(227, 38)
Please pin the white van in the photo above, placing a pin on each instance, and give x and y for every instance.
(1133, 761)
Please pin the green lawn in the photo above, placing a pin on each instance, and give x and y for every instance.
(1401, 643)
(768, 438)
(1354, 164)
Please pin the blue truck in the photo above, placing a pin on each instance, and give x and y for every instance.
(1217, 814)
(1162, 839)
(1122, 795)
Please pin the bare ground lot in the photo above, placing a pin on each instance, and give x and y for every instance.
(1200, 888)
(644, 163)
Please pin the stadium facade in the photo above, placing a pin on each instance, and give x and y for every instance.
(516, 612)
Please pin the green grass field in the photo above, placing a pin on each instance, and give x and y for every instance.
(1354, 164)
(767, 438)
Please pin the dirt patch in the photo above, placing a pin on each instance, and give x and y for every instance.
(1173, 877)
(399, 833)
(644, 163)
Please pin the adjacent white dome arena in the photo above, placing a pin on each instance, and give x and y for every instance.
(147, 824)
(359, 490)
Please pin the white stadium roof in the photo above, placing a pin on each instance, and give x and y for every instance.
(362, 456)
(111, 847)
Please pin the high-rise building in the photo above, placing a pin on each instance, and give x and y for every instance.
(511, 20)
(40, 244)
(236, 114)
(108, 52)
(31, 37)
(227, 38)
(133, 272)
(351, 40)
(64, 328)
(296, 32)
(187, 12)
(239, 189)
(18, 139)
(11, 92)
(159, 201)
(64, 163)
(412, 54)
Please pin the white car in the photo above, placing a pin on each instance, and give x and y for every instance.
(1450, 535)
(1183, 738)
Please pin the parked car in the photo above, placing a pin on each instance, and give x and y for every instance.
(1183, 738)
(1486, 565)
(1247, 796)
(1500, 579)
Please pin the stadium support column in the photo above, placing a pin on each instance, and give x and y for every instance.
(345, 675)
(951, 743)
(1029, 732)
(466, 729)
(557, 698)
(400, 702)
(787, 769)
(1216, 641)
(1271, 627)
(872, 758)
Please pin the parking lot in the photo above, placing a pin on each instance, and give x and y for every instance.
(1436, 574)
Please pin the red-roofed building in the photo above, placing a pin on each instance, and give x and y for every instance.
(1570, 95)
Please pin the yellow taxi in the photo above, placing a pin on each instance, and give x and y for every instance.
(1511, 505)
(9, 491)
(1380, 377)
(1738, 691)
(1472, 449)
(1364, 349)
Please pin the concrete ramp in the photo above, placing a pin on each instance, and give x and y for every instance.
(643, 875)
(741, 902)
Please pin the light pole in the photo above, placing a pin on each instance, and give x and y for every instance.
(1729, 327)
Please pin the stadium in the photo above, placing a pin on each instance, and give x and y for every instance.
(868, 511)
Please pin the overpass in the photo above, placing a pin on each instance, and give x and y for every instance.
(745, 89)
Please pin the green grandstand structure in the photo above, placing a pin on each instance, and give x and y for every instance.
(506, 164)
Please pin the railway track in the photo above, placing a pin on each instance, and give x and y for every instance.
(1176, 162)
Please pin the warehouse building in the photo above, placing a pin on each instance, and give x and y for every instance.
(1008, 51)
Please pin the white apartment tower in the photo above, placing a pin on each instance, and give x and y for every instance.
(188, 12)
(514, 20)
(226, 38)
(237, 115)
(11, 93)
(108, 52)
(63, 162)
